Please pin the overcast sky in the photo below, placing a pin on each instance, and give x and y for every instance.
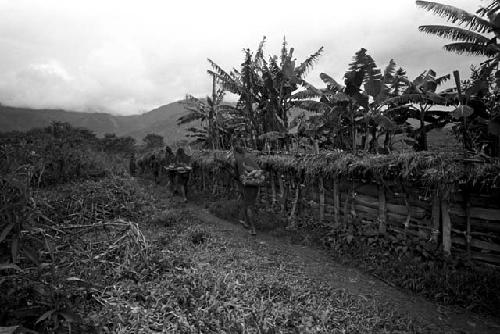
(127, 57)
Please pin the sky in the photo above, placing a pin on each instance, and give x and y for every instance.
(128, 57)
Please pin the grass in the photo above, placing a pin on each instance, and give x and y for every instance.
(170, 272)
(448, 281)
(201, 281)
(404, 263)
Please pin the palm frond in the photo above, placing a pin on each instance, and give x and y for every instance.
(456, 15)
(191, 117)
(228, 82)
(331, 83)
(259, 55)
(390, 70)
(405, 98)
(472, 49)
(311, 105)
(311, 88)
(454, 33)
(284, 51)
(491, 9)
(306, 94)
(308, 63)
(439, 81)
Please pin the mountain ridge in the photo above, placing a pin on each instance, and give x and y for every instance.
(161, 120)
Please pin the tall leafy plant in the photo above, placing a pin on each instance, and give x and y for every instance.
(265, 87)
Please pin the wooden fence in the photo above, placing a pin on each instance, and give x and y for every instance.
(463, 222)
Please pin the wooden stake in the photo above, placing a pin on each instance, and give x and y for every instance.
(436, 216)
(346, 209)
(273, 188)
(282, 193)
(321, 199)
(408, 211)
(382, 210)
(292, 220)
(445, 218)
(336, 200)
(467, 221)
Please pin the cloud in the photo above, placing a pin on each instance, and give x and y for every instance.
(130, 56)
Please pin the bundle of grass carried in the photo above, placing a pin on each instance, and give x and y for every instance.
(254, 177)
(182, 168)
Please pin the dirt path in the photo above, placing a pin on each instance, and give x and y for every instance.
(319, 267)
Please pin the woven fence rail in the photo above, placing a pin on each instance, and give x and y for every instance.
(436, 198)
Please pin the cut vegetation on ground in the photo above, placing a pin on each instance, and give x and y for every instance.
(182, 270)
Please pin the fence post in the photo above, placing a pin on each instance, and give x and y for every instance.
(273, 188)
(282, 194)
(382, 209)
(336, 200)
(436, 216)
(445, 218)
(468, 238)
(292, 220)
(321, 199)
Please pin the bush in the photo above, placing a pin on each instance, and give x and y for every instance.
(62, 246)
(58, 154)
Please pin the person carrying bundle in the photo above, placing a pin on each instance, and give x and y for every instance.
(132, 165)
(183, 170)
(168, 167)
(249, 177)
(155, 168)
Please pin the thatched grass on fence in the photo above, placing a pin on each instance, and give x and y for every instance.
(436, 197)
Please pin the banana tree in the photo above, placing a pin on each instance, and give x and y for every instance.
(370, 88)
(477, 34)
(327, 119)
(357, 106)
(417, 101)
(217, 120)
(265, 87)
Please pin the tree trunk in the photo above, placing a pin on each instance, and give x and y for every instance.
(211, 115)
(387, 141)
(374, 140)
(353, 130)
(422, 139)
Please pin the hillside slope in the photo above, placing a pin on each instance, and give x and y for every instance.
(162, 121)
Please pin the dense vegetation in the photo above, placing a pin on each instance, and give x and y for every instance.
(373, 110)
(84, 247)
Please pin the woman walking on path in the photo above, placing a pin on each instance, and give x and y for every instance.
(167, 164)
(182, 162)
(245, 165)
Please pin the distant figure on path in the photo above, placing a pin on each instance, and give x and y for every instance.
(246, 165)
(155, 168)
(167, 164)
(183, 170)
(132, 166)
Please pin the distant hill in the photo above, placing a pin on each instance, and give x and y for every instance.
(162, 121)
